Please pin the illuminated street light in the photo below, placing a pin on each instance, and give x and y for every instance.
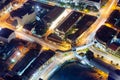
(12, 60)
(0, 28)
(18, 53)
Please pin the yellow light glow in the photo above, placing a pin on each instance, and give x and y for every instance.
(45, 48)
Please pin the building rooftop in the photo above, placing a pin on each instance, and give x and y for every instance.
(7, 49)
(29, 26)
(72, 18)
(5, 32)
(108, 37)
(27, 8)
(54, 38)
(104, 37)
(4, 49)
(39, 61)
(114, 19)
(114, 44)
(21, 65)
(53, 14)
(87, 20)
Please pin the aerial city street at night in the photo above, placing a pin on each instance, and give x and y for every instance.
(59, 39)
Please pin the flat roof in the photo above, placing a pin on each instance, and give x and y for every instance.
(27, 8)
(72, 18)
(5, 32)
(105, 34)
(114, 19)
(20, 66)
(53, 14)
(55, 38)
(29, 26)
(39, 61)
(83, 24)
(114, 46)
(6, 49)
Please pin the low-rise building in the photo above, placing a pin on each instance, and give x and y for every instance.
(114, 19)
(25, 14)
(54, 38)
(82, 25)
(7, 49)
(37, 63)
(105, 34)
(68, 23)
(114, 44)
(53, 14)
(25, 62)
(109, 39)
(6, 34)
